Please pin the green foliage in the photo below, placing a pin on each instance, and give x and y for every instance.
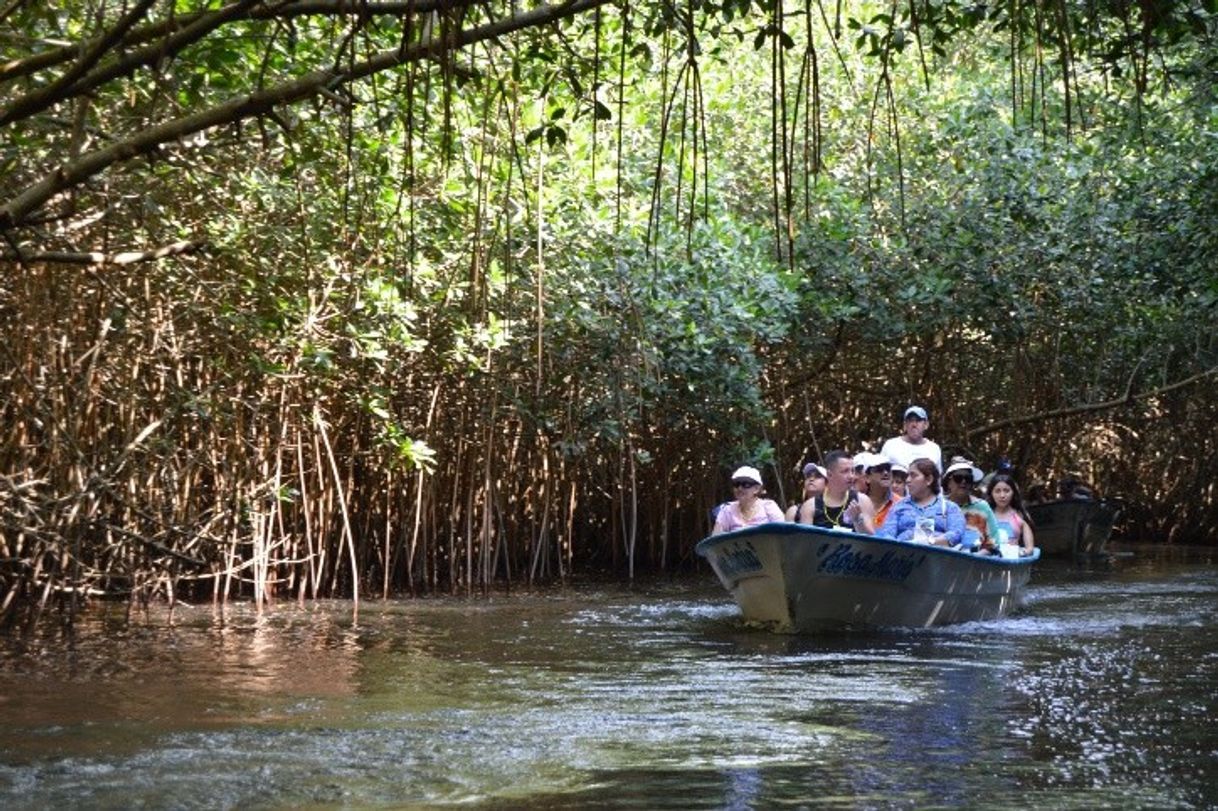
(671, 340)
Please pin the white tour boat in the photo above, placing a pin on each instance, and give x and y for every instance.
(802, 578)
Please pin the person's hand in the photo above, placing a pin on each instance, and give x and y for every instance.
(852, 512)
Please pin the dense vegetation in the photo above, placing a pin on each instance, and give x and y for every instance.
(318, 298)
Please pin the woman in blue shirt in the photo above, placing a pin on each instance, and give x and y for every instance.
(924, 506)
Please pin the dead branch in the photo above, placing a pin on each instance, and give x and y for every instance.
(99, 258)
(1086, 408)
(156, 547)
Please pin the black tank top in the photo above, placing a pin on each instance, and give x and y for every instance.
(830, 517)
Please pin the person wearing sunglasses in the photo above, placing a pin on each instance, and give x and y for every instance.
(981, 534)
(814, 484)
(877, 484)
(924, 515)
(748, 508)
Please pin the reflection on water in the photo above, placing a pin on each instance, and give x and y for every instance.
(1099, 694)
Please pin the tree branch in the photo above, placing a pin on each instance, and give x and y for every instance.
(37, 100)
(15, 210)
(1086, 408)
(99, 258)
(59, 90)
(285, 10)
(12, 6)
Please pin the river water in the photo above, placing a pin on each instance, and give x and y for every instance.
(1102, 692)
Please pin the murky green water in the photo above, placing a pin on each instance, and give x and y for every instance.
(1101, 694)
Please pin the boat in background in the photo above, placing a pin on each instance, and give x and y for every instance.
(1078, 527)
(796, 577)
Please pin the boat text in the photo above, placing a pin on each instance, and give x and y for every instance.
(740, 559)
(846, 561)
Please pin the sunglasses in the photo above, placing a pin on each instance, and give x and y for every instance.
(880, 469)
(960, 478)
(744, 484)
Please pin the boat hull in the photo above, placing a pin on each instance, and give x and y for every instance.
(800, 578)
(1077, 527)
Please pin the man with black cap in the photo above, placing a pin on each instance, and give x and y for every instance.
(912, 443)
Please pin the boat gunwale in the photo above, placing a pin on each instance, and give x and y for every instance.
(1110, 503)
(705, 545)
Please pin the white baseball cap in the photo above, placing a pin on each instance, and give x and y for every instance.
(812, 467)
(746, 472)
(868, 460)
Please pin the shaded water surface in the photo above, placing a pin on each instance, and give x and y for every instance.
(1102, 693)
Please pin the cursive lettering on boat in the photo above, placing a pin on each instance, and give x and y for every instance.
(740, 559)
(845, 561)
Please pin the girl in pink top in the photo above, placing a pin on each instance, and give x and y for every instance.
(1007, 502)
(749, 509)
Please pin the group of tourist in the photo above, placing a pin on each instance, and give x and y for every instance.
(902, 492)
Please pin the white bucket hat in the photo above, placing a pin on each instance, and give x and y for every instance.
(960, 463)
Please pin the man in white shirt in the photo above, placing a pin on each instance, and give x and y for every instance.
(912, 443)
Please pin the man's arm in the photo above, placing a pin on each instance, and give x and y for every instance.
(864, 518)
